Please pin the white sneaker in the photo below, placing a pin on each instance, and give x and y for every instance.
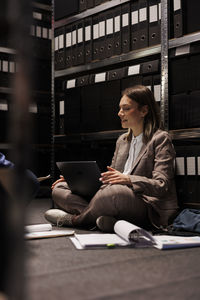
(58, 217)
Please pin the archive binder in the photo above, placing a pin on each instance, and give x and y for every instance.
(61, 111)
(83, 80)
(154, 22)
(65, 8)
(178, 18)
(80, 43)
(116, 74)
(150, 67)
(90, 3)
(74, 44)
(117, 31)
(59, 48)
(109, 43)
(68, 46)
(143, 24)
(88, 39)
(95, 39)
(125, 27)
(134, 25)
(102, 36)
(148, 81)
(82, 5)
(132, 77)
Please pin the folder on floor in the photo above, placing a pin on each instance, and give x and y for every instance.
(80, 43)
(59, 48)
(117, 30)
(88, 39)
(95, 38)
(125, 27)
(68, 46)
(109, 44)
(154, 22)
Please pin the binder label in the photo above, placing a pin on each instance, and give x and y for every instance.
(182, 50)
(157, 92)
(45, 33)
(125, 20)
(4, 106)
(177, 5)
(68, 39)
(191, 166)
(80, 35)
(73, 37)
(159, 11)
(100, 77)
(38, 31)
(71, 84)
(33, 108)
(109, 26)
(87, 33)
(198, 162)
(50, 34)
(142, 14)
(180, 170)
(95, 31)
(133, 70)
(62, 107)
(37, 15)
(102, 28)
(117, 23)
(153, 14)
(61, 41)
(5, 66)
(134, 17)
(12, 67)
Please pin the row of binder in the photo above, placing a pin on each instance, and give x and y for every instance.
(184, 110)
(63, 8)
(188, 165)
(40, 116)
(184, 72)
(91, 102)
(112, 32)
(126, 27)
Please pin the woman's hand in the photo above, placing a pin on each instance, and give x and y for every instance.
(113, 176)
(59, 180)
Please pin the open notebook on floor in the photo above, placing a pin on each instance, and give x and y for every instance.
(40, 231)
(129, 235)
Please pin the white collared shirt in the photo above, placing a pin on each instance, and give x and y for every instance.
(135, 147)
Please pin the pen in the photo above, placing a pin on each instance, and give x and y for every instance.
(110, 245)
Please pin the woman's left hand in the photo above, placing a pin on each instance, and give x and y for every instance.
(113, 176)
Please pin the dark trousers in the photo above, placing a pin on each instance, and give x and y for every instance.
(115, 200)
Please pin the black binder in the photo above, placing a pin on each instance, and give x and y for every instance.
(148, 82)
(109, 44)
(117, 30)
(95, 38)
(68, 46)
(150, 67)
(61, 112)
(109, 107)
(178, 18)
(154, 22)
(178, 105)
(125, 27)
(132, 77)
(59, 48)
(74, 44)
(65, 8)
(72, 107)
(4, 113)
(80, 43)
(116, 74)
(134, 25)
(82, 5)
(83, 80)
(143, 24)
(102, 36)
(88, 40)
(97, 2)
(90, 3)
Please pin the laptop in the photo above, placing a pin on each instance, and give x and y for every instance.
(81, 176)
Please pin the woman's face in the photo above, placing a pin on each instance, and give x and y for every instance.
(130, 115)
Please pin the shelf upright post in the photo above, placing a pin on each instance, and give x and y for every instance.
(164, 64)
(52, 93)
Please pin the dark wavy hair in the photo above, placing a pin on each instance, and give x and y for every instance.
(143, 96)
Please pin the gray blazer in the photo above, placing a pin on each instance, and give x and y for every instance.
(152, 175)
